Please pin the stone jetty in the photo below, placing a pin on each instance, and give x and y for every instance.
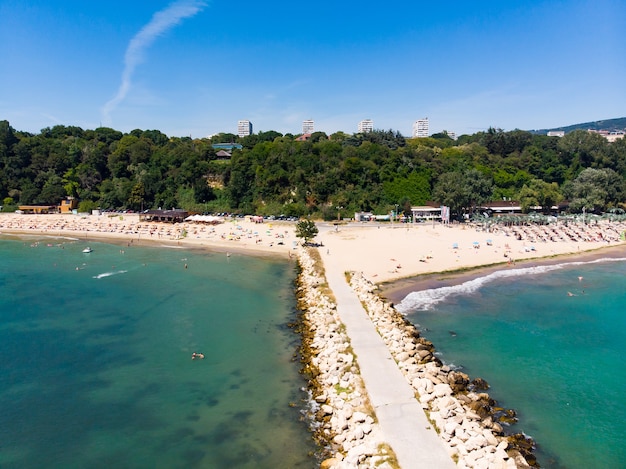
(341, 416)
(468, 421)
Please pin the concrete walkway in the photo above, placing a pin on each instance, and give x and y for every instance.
(401, 417)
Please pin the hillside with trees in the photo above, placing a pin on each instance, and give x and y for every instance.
(274, 174)
(609, 124)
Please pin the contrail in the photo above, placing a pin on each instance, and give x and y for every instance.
(161, 22)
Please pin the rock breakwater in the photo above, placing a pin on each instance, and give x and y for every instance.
(341, 416)
(468, 421)
(342, 419)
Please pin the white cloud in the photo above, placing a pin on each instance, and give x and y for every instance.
(161, 22)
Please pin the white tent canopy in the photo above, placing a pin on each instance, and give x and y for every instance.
(205, 219)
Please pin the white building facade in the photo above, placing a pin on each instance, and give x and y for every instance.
(244, 128)
(420, 128)
(308, 126)
(366, 125)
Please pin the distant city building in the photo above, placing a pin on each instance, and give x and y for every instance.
(556, 133)
(366, 125)
(244, 128)
(611, 136)
(308, 126)
(420, 127)
(452, 135)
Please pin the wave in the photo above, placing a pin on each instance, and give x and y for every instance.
(426, 299)
(108, 274)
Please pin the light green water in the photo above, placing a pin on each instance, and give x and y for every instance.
(97, 371)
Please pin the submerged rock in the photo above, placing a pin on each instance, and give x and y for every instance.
(479, 384)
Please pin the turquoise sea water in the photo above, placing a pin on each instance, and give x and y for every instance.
(558, 360)
(96, 359)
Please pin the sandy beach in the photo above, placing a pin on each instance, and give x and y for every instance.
(237, 235)
(384, 253)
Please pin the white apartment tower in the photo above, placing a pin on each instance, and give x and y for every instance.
(420, 127)
(308, 126)
(244, 128)
(366, 125)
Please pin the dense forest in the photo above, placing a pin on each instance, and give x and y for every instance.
(275, 174)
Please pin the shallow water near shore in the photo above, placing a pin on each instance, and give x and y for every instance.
(96, 352)
(550, 344)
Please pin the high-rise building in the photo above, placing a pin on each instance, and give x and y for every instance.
(366, 125)
(244, 128)
(420, 127)
(308, 126)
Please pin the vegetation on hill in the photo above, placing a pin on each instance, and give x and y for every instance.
(608, 124)
(326, 176)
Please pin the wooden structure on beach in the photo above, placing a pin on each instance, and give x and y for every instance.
(68, 205)
(38, 209)
(169, 216)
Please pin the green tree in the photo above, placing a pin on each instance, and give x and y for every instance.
(595, 190)
(306, 229)
(414, 188)
(53, 190)
(539, 193)
(449, 191)
(137, 196)
(463, 191)
(86, 206)
(581, 149)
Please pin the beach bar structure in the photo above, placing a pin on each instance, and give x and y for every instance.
(426, 212)
(513, 207)
(169, 216)
(38, 209)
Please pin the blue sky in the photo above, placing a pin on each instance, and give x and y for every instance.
(193, 67)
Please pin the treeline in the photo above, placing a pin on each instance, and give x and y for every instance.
(323, 176)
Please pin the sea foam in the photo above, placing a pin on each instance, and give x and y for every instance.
(108, 274)
(425, 299)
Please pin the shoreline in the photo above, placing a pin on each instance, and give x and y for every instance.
(392, 256)
(395, 291)
(234, 236)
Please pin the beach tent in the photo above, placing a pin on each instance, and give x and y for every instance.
(213, 220)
